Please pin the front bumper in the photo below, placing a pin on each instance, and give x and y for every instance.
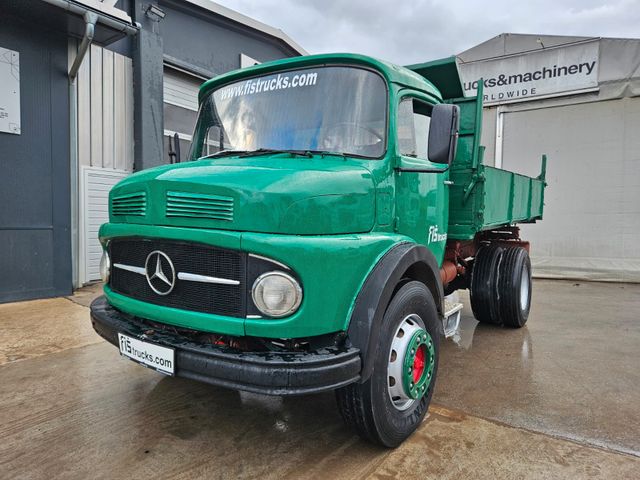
(272, 373)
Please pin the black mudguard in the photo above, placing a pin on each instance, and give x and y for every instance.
(405, 260)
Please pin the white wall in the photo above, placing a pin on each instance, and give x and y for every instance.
(591, 225)
(105, 143)
(105, 110)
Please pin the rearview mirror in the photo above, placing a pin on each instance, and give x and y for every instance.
(443, 133)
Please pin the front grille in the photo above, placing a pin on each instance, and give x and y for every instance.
(194, 205)
(186, 257)
(130, 204)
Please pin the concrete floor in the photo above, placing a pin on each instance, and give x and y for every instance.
(557, 399)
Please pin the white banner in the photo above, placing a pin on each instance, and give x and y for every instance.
(545, 72)
(9, 91)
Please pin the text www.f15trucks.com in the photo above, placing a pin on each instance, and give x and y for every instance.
(259, 85)
(143, 355)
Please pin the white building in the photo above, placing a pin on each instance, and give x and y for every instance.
(576, 99)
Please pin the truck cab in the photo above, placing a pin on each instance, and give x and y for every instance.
(306, 243)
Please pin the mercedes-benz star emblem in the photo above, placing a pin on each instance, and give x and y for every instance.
(160, 273)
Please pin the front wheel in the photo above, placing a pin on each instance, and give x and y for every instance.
(390, 405)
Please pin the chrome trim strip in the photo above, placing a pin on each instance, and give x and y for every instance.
(192, 277)
(254, 316)
(131, 268)
(269, 260)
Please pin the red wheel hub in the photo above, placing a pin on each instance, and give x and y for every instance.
(418, 363)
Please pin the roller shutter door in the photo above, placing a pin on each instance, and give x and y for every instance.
(96, 183)
(591, 226)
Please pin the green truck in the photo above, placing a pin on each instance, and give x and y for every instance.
(329, 205)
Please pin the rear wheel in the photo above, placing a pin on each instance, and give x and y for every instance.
(514, 287)
(484, 284)
(390, 405)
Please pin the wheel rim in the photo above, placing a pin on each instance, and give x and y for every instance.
(524, 288)
(411, 363)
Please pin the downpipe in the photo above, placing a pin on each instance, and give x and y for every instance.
(90, 19)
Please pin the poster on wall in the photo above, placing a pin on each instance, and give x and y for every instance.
(542, 73)
(9, 91)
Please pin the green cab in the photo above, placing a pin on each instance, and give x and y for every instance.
(328, 205)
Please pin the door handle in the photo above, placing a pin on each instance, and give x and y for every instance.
(448, 182)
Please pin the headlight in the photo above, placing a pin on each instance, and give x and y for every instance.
(105, 267)
(276, 294)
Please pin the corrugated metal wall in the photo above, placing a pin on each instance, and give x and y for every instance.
(105, 109)
(105, 143)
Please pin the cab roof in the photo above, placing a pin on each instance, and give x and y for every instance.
(391, 72)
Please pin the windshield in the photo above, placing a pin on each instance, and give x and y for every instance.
(326, 109)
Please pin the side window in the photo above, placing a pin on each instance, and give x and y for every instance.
(414, 118)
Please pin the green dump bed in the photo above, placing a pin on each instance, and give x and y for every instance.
(481, 197)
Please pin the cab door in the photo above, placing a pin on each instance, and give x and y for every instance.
(422, 197)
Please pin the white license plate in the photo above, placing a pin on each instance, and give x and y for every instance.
(148, 354)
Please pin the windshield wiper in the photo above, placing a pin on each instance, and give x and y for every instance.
(325, 152)
(267, 151)
(259, 151)
(224, 153)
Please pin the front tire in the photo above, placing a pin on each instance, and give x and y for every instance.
(389, 406)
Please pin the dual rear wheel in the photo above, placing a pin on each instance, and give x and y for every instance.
(501, 286)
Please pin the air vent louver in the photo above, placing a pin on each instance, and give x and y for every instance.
(130, 204)
(194, 205)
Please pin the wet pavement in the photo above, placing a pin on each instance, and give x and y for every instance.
(574, 371)
(41, 327)
(558, 399)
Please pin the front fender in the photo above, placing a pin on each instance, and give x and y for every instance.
(403, 260)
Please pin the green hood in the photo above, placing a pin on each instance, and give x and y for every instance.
(276, 194)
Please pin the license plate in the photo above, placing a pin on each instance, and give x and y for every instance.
(147, 354)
